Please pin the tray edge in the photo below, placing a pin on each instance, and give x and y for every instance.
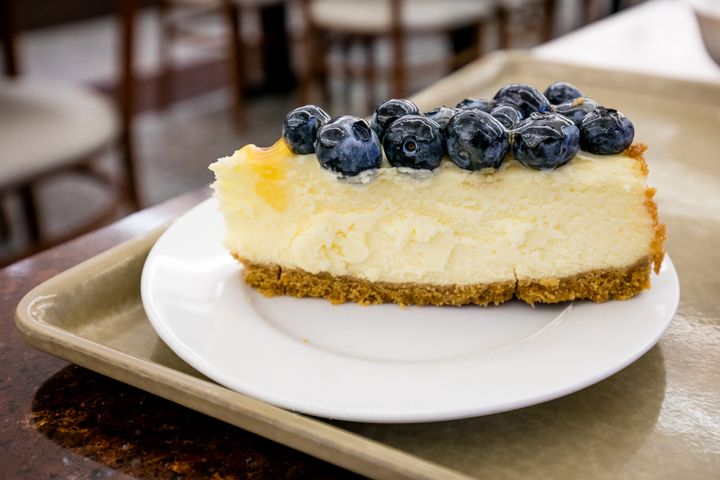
(321, 440)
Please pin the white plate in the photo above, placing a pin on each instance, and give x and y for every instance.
(384, 363)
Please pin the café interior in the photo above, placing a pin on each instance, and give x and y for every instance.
(111, 113)
(109, 107)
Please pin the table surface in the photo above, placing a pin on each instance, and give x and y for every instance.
(659, 37)
(62, 421)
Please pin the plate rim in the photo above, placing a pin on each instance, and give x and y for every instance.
(188, 355)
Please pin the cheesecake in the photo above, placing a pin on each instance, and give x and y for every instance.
(588, 230)
(471, 229)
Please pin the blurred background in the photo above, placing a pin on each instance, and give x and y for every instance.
(107, 107)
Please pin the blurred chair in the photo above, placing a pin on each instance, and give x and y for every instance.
(176, 27)
(523, 19)
(48, 129)
(178, 23)
(353, 22)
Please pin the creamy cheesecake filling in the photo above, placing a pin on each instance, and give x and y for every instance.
(451, 227)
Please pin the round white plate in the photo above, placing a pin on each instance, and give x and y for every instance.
(384, 363)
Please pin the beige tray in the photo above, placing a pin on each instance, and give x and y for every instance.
(92, 315)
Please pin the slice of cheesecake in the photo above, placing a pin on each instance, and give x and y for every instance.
(587, 230)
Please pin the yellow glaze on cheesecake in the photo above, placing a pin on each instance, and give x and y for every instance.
(446, 228)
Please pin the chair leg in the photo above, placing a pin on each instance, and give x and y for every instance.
(236, 62)
(320, 44)
(30, 212)
(591, 11)
(323, 67)
(464, 40)
(346, 45)
(504, 17)
(466, 44)
(369, 47)
(7, 37)
(481, 29)
(548, 28)
(279, 76)
(167, 38)
(127, 10)
(309, 71)
(398, 86)
(315, 68)
(4, 223)
(306, 69)
(127, 158)
(397, 47)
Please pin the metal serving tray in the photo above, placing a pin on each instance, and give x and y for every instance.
(92, 315)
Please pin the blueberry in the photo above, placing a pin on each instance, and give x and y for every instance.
(442, 115)
(525, 98)
(576, 109)
(301, 126)
(561, 92)
(545, 140)
(508, 115)
(476, 140)
(389, 111)
(475, 104)
(606, 131)
(347, 145)
(414, 141)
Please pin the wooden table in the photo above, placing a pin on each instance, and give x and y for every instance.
(62, 421)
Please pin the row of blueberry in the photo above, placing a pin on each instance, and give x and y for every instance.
(541, 130)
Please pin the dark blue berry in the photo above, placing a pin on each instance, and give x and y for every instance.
(576, 109)
(347, 145)
(414, 141)
(606, 131)
(389, 111)
(525, 98)
(476, 140)
(561, 92)
(442, 115)
(475, 104)
(508, 115)
(301, 126)
(545, 140)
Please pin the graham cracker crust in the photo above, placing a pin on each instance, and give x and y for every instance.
(657, 245)
(596, 285)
